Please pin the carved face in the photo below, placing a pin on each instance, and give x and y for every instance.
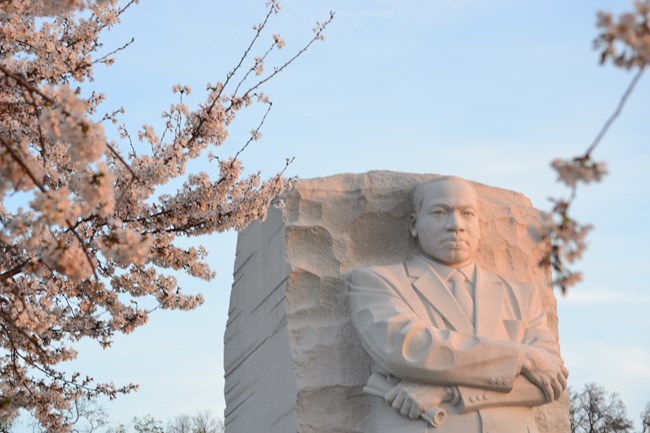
(446, 225)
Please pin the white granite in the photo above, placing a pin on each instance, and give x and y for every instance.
(292, 360)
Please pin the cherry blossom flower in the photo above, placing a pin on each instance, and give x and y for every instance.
(579, 170)
(279, 42)
(259, 65)
(625, 40)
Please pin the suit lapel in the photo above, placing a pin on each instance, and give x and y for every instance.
(433, 290)
(404, 289)
(487, 301)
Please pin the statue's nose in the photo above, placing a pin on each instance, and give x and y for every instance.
(455, 222)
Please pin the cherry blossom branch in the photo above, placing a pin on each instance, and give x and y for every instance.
(564, 236)
(255, 133)
(38, 184)
(22, 164)
(103, 389)
(51, 100)
(20, 80)
(105, 58)
(616, 113)
(256, 67)
(258, 30)
(248, 49)
(29, 338)
(14, 271)
(318, 36)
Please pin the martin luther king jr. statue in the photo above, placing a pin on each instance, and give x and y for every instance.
(455, 349)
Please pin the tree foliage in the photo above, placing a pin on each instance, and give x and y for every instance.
(645, 419)
(595, 410)
(97, 242)
(201, 422)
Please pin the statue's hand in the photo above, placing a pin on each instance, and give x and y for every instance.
(413, 399)
(545, 370)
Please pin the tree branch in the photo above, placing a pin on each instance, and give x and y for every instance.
(616, 113)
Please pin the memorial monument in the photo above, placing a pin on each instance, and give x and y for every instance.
(345, 315)
(455, 348)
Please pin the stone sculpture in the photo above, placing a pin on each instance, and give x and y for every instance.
(454, 348)
(293, 360)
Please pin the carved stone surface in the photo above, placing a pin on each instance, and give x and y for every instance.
(292, 360)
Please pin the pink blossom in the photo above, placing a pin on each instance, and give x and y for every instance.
(579, 170)
(626, 40)
(259, 65)
(279, 42)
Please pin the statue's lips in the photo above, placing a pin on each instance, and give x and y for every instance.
(455, 244)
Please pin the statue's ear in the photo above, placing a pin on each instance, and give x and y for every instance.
(412, 221)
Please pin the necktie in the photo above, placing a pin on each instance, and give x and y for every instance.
(460, 288)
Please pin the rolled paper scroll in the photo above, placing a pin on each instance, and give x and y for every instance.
(379, 385)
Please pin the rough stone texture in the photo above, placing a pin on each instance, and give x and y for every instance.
(292, 360)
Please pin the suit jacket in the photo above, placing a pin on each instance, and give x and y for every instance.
(413, 328)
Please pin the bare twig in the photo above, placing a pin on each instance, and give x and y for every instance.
(317, 36)
(251, 69)
(215, 101)
(616, 113)
(104, 58)
(253, 134)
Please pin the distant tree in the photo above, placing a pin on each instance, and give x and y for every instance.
(202, 422)
(645, 419)
(594, 410)
(180, 424)
(120, 428)
(148, 424)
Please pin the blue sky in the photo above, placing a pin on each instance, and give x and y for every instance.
(487, 90)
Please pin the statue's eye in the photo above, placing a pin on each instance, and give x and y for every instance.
(438, 212)
(468, 213)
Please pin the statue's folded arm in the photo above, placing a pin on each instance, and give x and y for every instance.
(412, 349)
